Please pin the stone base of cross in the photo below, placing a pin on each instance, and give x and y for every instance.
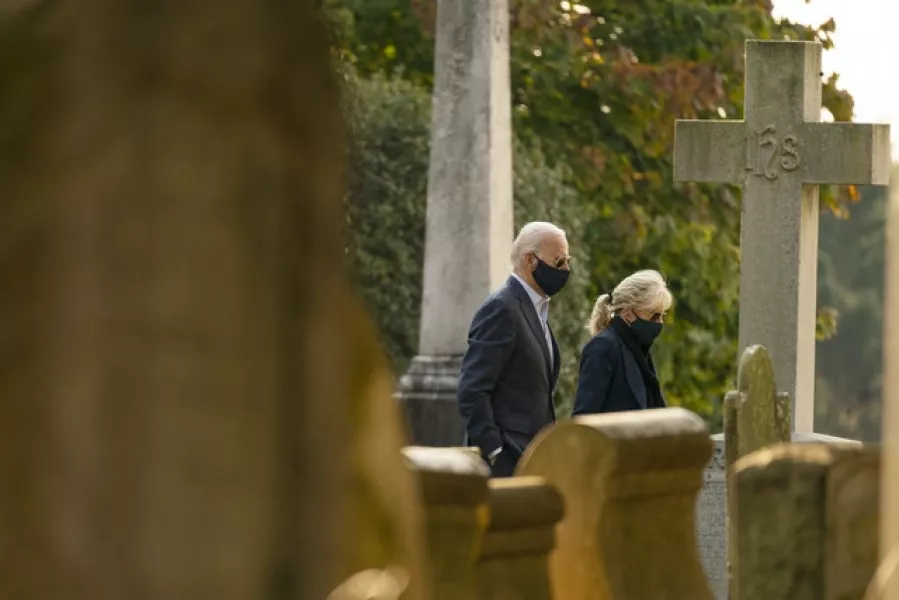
(780, 153)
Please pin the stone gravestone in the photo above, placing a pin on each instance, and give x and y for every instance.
(469, 216)
(629, 482)
(779, 154)
(711, 520)
(454, 493)
(888, 588)
(754, 417)
(851, 522)
(806, 519)
(513, 557)
(183, 416)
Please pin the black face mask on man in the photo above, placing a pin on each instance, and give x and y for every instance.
(646, 331)
(550, 279)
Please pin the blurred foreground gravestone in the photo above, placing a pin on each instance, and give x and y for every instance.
(629, 483)
(193, 406)
(513, 558)
(887, 586)
(806, 521)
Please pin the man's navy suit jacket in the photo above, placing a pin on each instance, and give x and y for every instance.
(506, 384)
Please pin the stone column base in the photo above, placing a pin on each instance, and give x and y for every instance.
(427, 395)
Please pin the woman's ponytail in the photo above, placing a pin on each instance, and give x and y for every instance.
(601, 315)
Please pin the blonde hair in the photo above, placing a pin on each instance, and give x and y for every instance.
(644, 290)
(529, 239)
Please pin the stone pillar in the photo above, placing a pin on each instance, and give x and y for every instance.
(513, 559)
(629, 482)
(469, 215)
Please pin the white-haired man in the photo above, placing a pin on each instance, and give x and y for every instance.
(512, 363)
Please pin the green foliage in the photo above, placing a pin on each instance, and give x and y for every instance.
(385, 205)
(596, 88)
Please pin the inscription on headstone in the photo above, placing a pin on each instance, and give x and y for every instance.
(711, 520)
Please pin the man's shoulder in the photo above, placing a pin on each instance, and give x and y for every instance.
(504, 298)
(500, 305)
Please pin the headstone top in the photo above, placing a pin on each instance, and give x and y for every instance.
(524, 501)
(810, 454)
(458, 461)
(755, 416)
(678, 435)
(448, 476)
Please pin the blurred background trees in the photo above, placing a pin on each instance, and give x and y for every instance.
(596, 87)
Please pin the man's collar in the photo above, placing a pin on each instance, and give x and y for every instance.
(533, 294)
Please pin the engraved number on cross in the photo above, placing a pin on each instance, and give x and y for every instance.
(764, 148)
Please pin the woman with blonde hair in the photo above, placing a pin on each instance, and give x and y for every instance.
(617, 372)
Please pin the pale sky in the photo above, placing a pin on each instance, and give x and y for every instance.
(865, 53)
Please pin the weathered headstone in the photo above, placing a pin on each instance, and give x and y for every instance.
(851, 522)
(711, 520)
(754, 417)
(780, 154)
(469, 216)
(806, 522)
(629, 481)
(454, 493)
(513, 559)
(183, 415)
(889, 535)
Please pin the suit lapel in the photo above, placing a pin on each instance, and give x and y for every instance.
(530, 315)
(557, 357)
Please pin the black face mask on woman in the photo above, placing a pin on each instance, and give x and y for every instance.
(550, 279)
(646, 331)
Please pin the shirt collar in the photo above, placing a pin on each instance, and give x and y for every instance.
(540, 303)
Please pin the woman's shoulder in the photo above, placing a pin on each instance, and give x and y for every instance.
(605, 342)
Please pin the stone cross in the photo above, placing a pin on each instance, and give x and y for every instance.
(469, 216)
(780, 154)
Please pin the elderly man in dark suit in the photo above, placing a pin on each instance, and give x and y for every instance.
(512, 363)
